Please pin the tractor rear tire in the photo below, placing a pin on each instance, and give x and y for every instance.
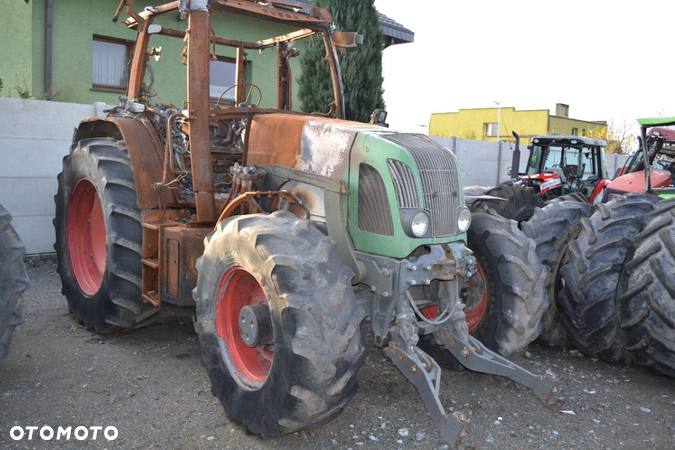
(304, 372)
(505, 299)
(647, 292)
(99, 237)
(520, 204)
(553, 228)
(591, 276)
(573, 197)
(13, 280)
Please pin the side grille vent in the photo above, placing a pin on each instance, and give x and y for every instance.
(404, 182)
(440, 182)
(374, 212)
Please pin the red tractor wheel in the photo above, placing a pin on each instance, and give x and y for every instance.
(278, 323)
(98, 237)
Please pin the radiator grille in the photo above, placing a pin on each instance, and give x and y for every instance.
(374, 212)
(440, 182)
(404, 183)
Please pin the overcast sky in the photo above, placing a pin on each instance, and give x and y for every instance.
(609, 60)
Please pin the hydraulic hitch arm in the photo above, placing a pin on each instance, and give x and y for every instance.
(425, 374)
(472, 354)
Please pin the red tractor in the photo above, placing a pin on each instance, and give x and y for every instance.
(658, 143)
(573, 166)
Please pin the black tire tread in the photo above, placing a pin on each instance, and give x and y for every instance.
(13, 280)
(591, 275)
(517, 281)
(520, 204)
(553, 228)
(127, 309)
(647, 292)
(302, 263)
(573, 197)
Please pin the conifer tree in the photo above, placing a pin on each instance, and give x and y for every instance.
(361, 66)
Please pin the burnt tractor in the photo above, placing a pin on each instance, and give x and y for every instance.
(567, 167)
(285, 229)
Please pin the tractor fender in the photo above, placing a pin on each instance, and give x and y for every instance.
(598, 189)
(145, 151)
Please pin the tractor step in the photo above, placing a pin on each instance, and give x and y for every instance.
(150, 263)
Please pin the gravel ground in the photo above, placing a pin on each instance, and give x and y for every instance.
(151, 386)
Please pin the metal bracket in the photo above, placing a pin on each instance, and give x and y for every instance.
(425, 374)
(471, 353)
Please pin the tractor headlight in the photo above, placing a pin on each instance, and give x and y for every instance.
(463, 219)
(420, 224)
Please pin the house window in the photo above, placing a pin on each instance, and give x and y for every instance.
(491, 129)
(110, 59)
(583, 131)
(223, 73)
(575, 132)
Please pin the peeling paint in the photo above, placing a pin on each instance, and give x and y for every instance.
(325, 147)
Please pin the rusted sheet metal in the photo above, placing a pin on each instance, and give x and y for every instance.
(145, 151)
(308, 143)
(251, 196)
(277, 11)
(180, 248)
(198, 122)
(137, 72)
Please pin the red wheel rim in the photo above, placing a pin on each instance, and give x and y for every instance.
(475, 295)
(236, 289)
(86, 236)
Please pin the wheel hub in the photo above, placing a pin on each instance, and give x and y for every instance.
(255, 325)
(474, 295)
(243, 322)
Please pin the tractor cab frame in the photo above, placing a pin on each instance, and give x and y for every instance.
(657, 146)
(561, 165)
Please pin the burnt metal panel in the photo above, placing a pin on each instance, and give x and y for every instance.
(404, 183)
(145, 151)
(374, 214)
(178, 267)
(440, 181)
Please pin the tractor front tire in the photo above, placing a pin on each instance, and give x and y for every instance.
(519, 205)
(647, 292)
(553, 228)
(99, 237)
(591, 276)
(505, 300)
(296, 367)
(13, 280)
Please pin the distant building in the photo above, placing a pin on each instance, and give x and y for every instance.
(481, 124)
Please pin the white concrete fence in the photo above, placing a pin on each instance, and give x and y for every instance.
(35, 136)
(487, 163)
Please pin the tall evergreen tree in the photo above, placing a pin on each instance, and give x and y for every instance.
(361, 66)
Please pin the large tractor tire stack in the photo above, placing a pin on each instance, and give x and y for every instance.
(612, 278)
(646, 292)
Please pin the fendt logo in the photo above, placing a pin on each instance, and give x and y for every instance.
(48, 433)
